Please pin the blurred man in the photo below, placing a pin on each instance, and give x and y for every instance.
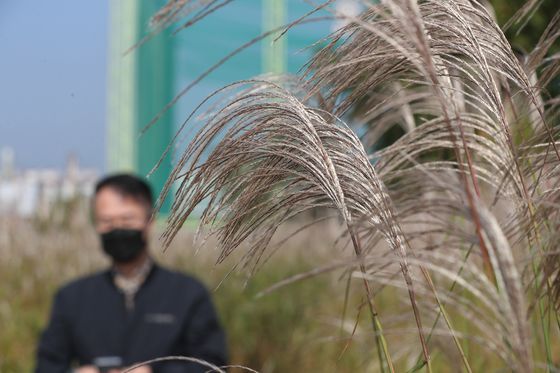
(135, 310)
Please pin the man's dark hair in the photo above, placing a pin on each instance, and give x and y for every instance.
(128, 186)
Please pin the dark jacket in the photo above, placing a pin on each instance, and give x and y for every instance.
(172, 316)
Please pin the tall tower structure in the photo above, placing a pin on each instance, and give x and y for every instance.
(140, 85)
(144, 80)
(7, 157)
(274, 51)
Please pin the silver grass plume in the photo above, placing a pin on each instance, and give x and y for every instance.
(274, 159)
(460, 181)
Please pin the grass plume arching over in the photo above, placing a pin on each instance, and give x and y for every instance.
(456, 218)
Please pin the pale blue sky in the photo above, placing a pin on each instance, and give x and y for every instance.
(53, 58)
(53, 72)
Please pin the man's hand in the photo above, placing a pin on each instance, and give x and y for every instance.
(92, 369)
(86, 369)
(142, 369)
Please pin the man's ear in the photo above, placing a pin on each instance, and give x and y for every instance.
(147, 231)
(150, 226)
(151, 222)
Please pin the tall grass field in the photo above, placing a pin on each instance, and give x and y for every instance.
(393, 207)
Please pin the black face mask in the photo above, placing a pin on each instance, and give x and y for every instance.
(123, 245)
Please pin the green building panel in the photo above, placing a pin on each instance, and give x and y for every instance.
(143, 81)
(140, 85)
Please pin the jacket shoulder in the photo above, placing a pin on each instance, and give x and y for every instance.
(81, 284)
(182, 281)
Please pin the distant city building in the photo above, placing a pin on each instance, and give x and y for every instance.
(34, 192)
(6, 162)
